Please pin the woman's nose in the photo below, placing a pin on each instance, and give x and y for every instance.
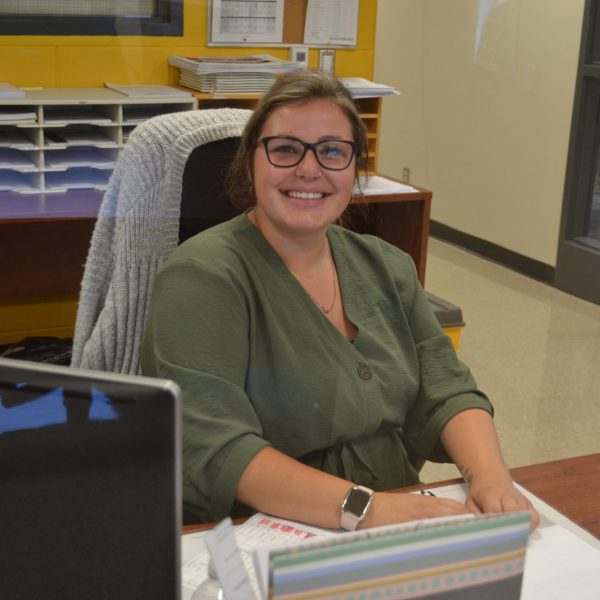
(309, 166)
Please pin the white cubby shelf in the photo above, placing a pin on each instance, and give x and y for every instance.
(61, 139)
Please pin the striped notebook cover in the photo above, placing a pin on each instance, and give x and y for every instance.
(468, 558)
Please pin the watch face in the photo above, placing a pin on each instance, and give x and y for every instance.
(356, 502)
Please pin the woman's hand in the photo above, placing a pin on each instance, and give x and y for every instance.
(498, 495)
(395, 507)
(471, 440)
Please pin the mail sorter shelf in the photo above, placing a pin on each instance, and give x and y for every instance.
(61, 139)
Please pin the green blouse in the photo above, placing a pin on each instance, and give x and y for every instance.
(259, 364)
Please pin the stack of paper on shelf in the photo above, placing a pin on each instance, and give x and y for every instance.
(13, 182)
(146, 91)
(376, 185)
(70, 114)
(10, 158)
(230, 75)
(21, 116)
(79, 157)
(81, 178)
(360, 87)
(15, 139)
(77, 137)
(10, 91)
(227, 83)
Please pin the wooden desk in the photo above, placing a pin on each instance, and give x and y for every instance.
(44, 239)
(400, 219)
(571, 486)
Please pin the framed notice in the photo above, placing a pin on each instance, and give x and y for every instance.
(236, 22)
(287, 23)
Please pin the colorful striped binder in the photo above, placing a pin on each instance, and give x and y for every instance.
(472, 557)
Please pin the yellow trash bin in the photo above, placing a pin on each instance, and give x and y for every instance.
(449, 317)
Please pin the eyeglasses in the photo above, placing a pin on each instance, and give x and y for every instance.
(335, 155)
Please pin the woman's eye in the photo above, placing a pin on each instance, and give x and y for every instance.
(285, 149)
(331, 151)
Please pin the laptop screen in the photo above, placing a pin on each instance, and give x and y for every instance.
(90, 502)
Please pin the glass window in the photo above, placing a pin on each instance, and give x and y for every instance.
(578, 259)
(91, 17)
(592, 229)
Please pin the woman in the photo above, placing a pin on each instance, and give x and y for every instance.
(309, 358)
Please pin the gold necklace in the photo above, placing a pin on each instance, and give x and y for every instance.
(321, 307)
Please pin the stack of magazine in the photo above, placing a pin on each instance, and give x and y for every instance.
(230, 75)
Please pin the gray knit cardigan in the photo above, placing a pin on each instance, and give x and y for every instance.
(137, 228)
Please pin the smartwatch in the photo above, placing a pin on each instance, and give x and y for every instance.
(355, 506)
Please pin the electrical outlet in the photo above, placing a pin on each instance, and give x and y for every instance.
(406, 174)
(327, 61)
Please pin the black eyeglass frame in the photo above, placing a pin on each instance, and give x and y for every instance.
(307, 147)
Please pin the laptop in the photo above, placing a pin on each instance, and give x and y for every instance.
(90, 490)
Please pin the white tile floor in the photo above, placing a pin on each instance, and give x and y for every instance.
(533, 349)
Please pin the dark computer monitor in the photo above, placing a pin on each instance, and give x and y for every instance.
(90, 490)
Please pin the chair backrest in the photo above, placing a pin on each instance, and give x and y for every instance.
(138, 226)
(204, 199)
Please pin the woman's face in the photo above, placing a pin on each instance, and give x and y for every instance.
(306, 198)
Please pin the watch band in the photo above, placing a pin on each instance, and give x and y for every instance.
(355, 506)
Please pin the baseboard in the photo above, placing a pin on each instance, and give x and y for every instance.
(513, 260)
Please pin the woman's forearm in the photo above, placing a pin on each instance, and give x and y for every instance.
(471, 441)
(276, 484)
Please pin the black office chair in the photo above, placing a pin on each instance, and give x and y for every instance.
(204, 201)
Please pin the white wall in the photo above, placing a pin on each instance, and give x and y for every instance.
(484, 126)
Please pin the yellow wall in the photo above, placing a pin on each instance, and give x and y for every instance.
(81, 61)
(86, 61)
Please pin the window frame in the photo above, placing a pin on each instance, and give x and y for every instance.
(167, 22)
(578, 264)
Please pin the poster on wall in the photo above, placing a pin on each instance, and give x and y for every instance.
(331, 22)
(232, 21)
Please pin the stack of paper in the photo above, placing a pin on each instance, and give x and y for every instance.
(78, 137)
(78, 114)
(363, 88)
(246, 74)
(21, 116)
(376, 185)
(227, 83)
(147, 91)
(10, 91)
(80, 178)
(138, 113)
(15, 139)
(16, 160)
(78, 157)
(11, 181)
